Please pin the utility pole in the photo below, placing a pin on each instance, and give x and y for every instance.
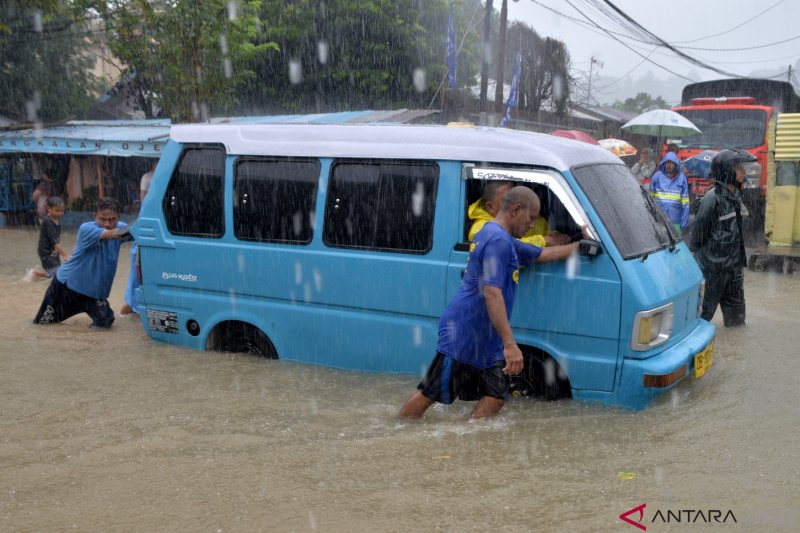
(789, 74)
(487, 35)
(501, 59)
(592, 61)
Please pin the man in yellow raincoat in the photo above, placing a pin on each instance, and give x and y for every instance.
(486, 207)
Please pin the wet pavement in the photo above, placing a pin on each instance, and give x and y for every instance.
(109, 431)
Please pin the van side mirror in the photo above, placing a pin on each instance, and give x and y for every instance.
(589, 248)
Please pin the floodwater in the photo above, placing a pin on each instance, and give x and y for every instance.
(108, 431)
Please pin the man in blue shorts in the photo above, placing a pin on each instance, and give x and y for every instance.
(476, 351)
(83, 283)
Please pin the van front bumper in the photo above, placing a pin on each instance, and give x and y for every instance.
(642, 380)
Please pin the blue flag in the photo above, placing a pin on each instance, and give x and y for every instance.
(451, 50)
(513, 95)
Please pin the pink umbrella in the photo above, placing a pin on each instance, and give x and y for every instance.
(576, 135)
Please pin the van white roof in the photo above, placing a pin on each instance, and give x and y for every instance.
(398, 141)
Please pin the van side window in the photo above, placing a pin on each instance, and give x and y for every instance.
(274, 199)
(553, 215)
(193, 203)
(381, 205)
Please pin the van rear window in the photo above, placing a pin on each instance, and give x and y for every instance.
(193, 203)
(274, 199)
(381, 205)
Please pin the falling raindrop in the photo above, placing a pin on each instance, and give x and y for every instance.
(558, 87)
(571, 266)
(37, 21)
(418, 199)
(232, 7)
(227, 67)
(295, 71)
(317, 279)
(223, 44)
(322, 52)
(32, 106)
(298, 273)
(419, 78)
(417, 336)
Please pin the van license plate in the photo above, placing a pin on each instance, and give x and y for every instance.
(703, 361)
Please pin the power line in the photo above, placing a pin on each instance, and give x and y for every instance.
(731, 29)
(741, 49)
(669, 46)
(628, 47)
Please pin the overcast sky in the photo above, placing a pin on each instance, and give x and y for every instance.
(682, 23)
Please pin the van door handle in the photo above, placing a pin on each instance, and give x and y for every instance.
(463, 272)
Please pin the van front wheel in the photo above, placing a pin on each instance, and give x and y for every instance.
(542, 376)
(240, 337)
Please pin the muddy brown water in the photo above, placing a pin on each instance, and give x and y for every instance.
(109, 431)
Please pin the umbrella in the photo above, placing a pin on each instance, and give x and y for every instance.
(700, 164)
(618, 147)
(661, 123)
(576, 135)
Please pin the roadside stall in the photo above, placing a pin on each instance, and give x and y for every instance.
(80, 161)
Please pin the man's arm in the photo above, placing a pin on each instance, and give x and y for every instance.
(557, 253)
(63, 253)
(496, 307)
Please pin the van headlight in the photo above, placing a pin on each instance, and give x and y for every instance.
(651, 328)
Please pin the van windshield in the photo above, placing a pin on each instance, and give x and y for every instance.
(637, 226)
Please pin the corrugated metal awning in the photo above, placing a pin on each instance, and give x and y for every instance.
(122, 138)
(787, 137)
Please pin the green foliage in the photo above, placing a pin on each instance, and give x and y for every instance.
(45, 72)
(357, 54)
(545, 82)
(190, 57)
(641, 102)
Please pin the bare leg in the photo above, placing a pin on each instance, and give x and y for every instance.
(487, 406)
(416, 406)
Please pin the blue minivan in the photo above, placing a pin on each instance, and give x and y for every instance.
(341, 245)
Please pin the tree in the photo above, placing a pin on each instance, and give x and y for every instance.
(641, 102)
(544, 83)
(45, 73)
(356, 54)
(189, 57)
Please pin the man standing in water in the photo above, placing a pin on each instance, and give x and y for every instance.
(83, 283)
(476, 351)
(718, 240)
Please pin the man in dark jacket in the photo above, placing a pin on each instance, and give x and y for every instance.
(718, 241)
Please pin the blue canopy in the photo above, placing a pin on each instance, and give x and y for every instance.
(121, 138)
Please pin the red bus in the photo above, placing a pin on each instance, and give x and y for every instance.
(735, 113)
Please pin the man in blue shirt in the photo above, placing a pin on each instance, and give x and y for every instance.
(476, 351)
(83, 283)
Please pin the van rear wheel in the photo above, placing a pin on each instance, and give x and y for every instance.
(542, 377)
(240, 337)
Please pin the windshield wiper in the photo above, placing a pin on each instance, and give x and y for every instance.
(658, 214)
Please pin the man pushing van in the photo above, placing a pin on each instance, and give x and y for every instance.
(476, 352)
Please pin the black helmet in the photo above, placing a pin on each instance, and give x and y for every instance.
(723, 166)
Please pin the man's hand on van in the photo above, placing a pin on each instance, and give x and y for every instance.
(514, 360)
(585, 232)
(557, 253)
